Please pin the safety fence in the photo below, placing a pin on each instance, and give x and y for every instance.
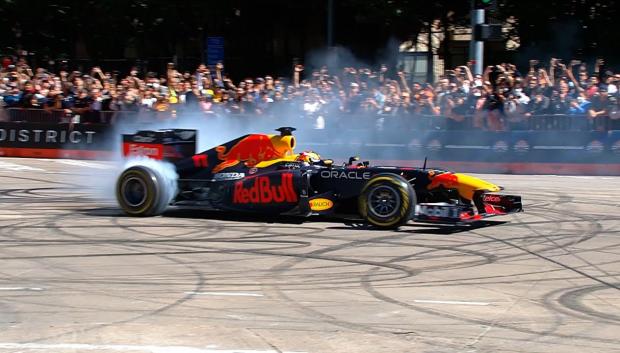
(410, 122)
(558, 151)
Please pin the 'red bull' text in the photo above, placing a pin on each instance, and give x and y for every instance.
(263, 191)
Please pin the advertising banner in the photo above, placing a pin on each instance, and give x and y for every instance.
(52, 140)
(545, 152)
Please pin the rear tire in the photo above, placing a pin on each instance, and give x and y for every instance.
(387, 201)
(140, 192)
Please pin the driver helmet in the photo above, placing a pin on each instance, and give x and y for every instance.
(309, 157)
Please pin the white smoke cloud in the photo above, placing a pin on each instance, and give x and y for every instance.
(166, 172)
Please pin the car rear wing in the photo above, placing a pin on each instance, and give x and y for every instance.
(168, 144)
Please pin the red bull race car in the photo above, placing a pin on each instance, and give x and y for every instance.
(261, 173)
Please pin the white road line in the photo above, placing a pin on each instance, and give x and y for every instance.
(575, 177)
(20, 288)
(128, 348)
(18, 167)
(82, 163)
(10, 216)
(229, 294)
(238, 317)
(451, 302)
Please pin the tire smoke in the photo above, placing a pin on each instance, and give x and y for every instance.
(166, 176)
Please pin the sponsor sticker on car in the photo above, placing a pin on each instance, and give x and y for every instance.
(345, 174)
(438, 211)
(263, 191)
(321, 204)
(491, 198)
(143, 150)
(228, 176)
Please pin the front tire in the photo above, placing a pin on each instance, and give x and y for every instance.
(387, 201)
(140, 192)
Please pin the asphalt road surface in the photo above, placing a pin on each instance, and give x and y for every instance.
(78, 276)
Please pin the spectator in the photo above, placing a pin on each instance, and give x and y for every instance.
(80, 107)
(539, 104)
(98, 103)
(515, 108)
(613, 84)
(579, 105)
(457, 109)
(614, 115)
(600, 104)
(559, 102)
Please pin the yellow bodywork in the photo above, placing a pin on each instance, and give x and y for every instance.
(283, 144)
(307, 156)
(468, 184)
(288, 158)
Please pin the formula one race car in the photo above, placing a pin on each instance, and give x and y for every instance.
(261, 173)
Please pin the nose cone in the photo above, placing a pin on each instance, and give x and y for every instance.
(468, 184)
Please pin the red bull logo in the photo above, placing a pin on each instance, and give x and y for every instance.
(262, 191)
(447, 180)
(251, 150)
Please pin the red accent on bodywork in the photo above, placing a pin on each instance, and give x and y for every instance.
(468, 216)
(447, 180)
(262, 192)
(490, 209)
(465, 215)
(200, 160)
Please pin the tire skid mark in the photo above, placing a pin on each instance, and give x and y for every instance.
(567, 230)
(435, 312)
(569, 301)
(551, 331)
(197, 286)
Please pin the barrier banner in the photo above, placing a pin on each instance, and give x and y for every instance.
(473, 146)
(53, 140)
(544, 152)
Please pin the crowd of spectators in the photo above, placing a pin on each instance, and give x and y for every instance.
(501, 98)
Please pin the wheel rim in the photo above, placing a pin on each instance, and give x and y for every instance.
(134, 191)
(384, 201)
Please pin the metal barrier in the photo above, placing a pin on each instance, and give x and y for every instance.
(399, 122)
(35, 115)
(67, 116)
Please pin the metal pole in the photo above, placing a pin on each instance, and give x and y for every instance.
(330, 23)
(430, 74)
(472, 24)
(476, 47)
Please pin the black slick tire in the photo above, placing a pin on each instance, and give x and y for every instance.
(387, 201)
(140, 192)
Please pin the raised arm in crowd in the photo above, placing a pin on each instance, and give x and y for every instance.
(499, 99)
